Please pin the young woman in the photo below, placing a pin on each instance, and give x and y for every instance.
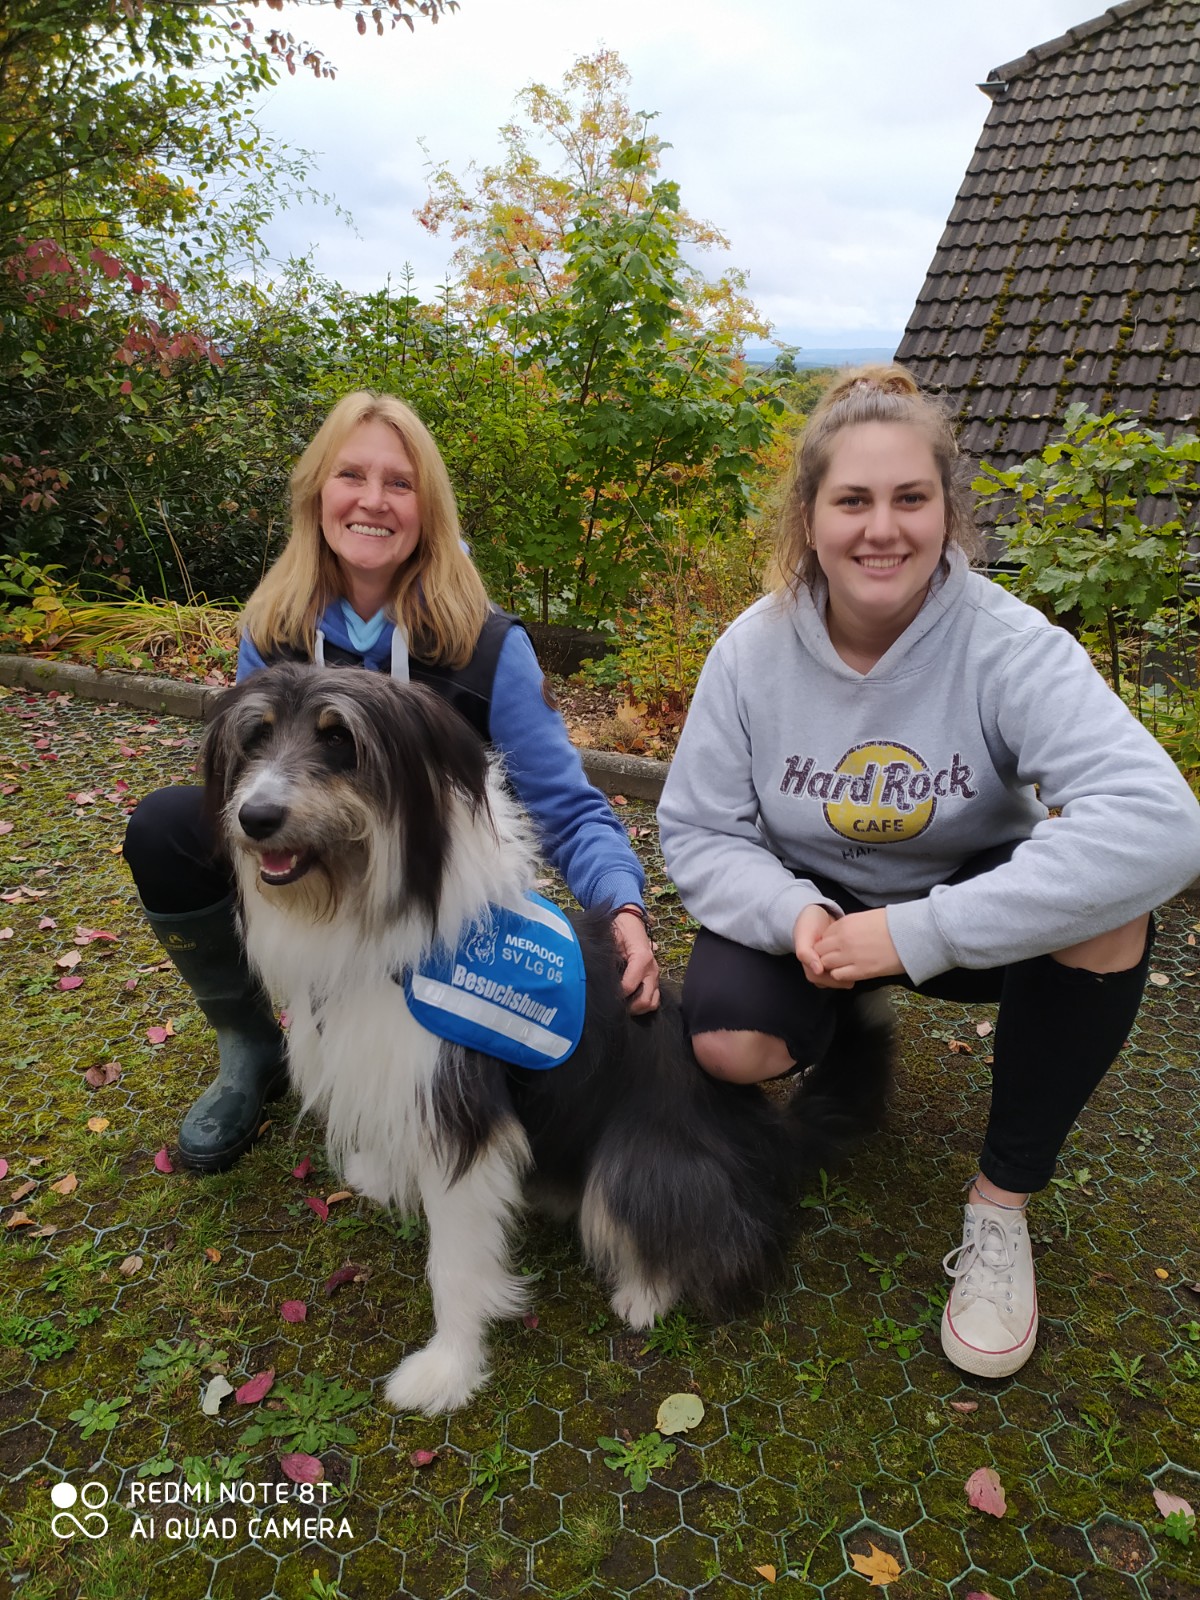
(375, 576)
(895, 772)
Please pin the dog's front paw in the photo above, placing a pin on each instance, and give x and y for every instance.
(368, 1177)
(437, 1378)
(638, 1303)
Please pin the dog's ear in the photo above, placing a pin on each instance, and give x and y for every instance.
(219, 760)
(429, 754)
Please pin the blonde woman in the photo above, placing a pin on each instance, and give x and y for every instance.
(374, 576)
(862, 796)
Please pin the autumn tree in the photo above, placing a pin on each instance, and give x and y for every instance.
(511, 221)
(572, 249)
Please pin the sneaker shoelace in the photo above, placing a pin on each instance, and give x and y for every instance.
(989, 1249)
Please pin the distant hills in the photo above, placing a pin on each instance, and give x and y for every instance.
(764, 356)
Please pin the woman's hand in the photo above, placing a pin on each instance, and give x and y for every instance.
(640, 980)
(838, 952)
(856, 947)
(810, 928)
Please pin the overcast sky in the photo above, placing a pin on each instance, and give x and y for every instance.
(827, 140)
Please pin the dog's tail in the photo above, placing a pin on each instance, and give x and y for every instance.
(691, 1189)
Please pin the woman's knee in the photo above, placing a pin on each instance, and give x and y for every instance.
(742, 1057)
(169, 851)
(1116, 951)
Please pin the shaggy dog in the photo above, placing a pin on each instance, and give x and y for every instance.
(367, 825)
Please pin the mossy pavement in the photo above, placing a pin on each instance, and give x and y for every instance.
(832, 1422)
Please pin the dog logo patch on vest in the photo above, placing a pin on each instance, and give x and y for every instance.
(513, 988)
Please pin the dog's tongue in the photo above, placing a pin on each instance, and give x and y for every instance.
(277, 862)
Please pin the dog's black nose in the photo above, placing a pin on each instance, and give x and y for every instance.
(260, 818)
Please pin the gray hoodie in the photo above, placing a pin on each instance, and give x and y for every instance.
(887, 782)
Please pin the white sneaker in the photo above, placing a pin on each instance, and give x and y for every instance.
(991, 1318)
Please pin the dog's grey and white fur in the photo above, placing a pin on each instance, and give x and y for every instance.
(365, 821)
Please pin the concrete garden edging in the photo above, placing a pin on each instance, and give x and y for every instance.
(637, 777)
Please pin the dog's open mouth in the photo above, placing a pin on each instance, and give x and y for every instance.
(285, 866)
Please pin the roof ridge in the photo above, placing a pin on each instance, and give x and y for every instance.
(1073, 36)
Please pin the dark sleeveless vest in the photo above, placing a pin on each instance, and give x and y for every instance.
(468, 688)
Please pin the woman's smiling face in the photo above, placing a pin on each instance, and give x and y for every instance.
(878, 528)
(370, 511)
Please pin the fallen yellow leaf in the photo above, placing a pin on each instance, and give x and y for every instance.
(767, 1572)
(22, 1190)
(342, 1194)
(97, 1124)
(880, 1567)
(67, 1185)
(1159, 978)
(213, 1255)
(1161, 1272)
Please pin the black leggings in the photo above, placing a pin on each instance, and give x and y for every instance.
(1059, 1029)
(171, 850)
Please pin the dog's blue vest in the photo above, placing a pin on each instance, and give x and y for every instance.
(514, 987)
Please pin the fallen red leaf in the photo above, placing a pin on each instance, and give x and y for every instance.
(255, 1388)
(964, 1406)
(46, 924)
(162, 1161)
(71, 959)
(985, 1492)
(301, 1469)
(293, 1311)
(423, 1458)
(75, 982)
(7, 827)
(303, 1169)
(6, 933)
(315, 1203)
(159, 1035)
(19, 1220)
(530, 1319)
(3, 1168)
(22, 1190)
(343, 1276)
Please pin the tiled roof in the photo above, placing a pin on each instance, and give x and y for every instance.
(1070, 265)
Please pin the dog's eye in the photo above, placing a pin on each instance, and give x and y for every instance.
(255, 737)
(335, 737)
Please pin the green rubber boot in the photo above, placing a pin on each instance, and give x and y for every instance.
(207, 951)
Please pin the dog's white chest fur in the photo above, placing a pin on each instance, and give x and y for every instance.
(358, 1058)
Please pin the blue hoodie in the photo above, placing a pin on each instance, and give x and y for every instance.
(580, 835)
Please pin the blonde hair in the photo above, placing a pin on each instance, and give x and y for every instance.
(438, 597)
(868, 394)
